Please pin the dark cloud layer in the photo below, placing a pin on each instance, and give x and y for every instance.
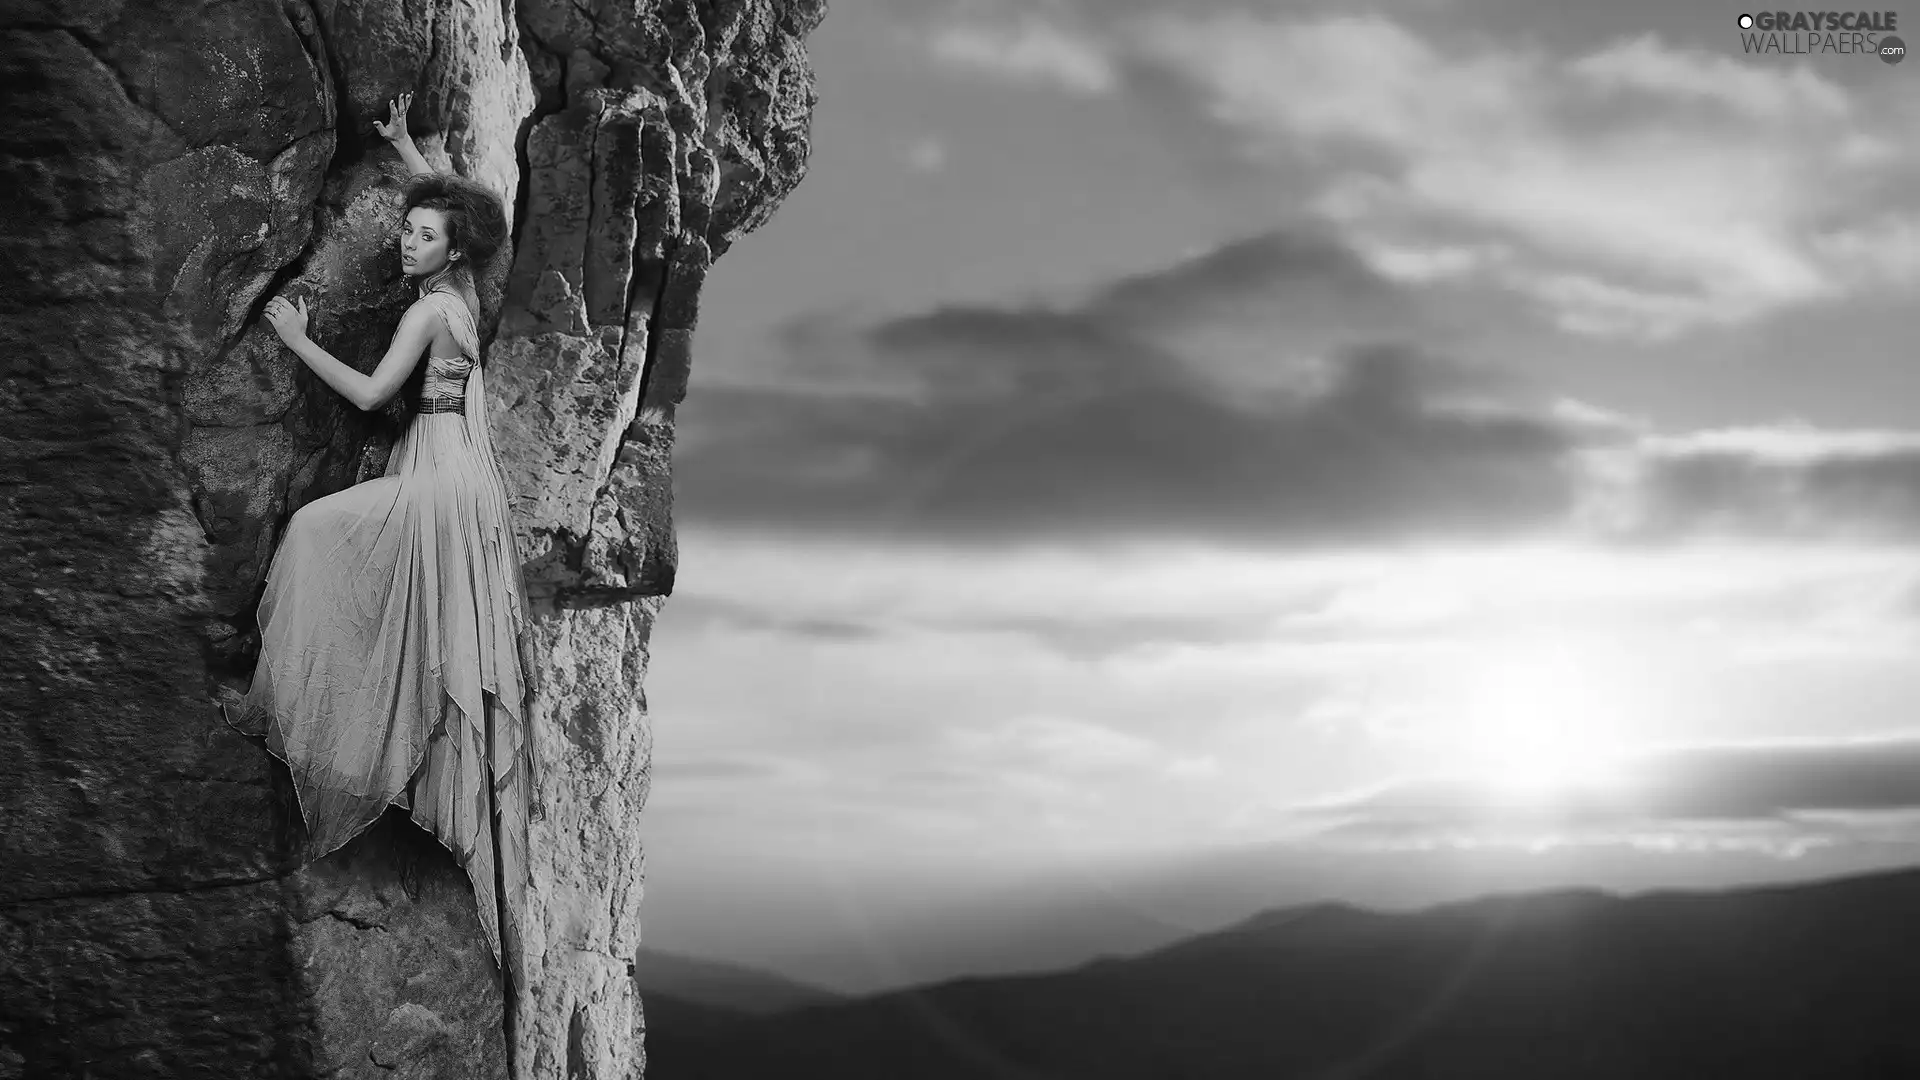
(1289, 265)
(1854, 493)
(1733, 784)
(1365, 459)
(1070, 424)
(1117, 419)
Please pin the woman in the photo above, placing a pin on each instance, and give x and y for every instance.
(390, 670)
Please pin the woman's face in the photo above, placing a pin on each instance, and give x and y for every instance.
(423, 242)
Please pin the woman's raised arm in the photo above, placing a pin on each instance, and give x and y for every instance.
(395, 132)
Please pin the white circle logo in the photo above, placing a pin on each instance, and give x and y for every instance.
(1746, 22)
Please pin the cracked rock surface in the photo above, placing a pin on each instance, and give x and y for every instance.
(173, 165)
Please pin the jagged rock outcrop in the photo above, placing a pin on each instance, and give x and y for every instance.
(172, 166)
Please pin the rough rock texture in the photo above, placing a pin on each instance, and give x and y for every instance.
(178, 163)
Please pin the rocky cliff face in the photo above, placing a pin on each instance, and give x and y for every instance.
(174, 165)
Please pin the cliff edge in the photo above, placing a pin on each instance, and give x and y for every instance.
(173, 165)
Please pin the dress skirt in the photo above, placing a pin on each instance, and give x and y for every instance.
(391, 670)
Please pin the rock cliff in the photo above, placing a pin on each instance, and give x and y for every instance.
(170, 165)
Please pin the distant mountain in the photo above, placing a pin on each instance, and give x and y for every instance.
(728, 988)
(1801, 982)
(1044, 919)
(684, 1019)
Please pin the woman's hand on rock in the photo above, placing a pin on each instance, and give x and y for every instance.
(289, 318)
(395, 129)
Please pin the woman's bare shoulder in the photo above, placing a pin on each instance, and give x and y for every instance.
(424, 311)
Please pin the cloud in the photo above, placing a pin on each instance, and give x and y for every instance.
(1050, 746)
(699, 614)
(1028, 49)
(926, 154)
(1078, 635)
(1885, 247)
(1043, 426)
(1089, 637)
(1782, 483)
(730, 769)
(1270, 306)
(1827, 790)
(1646, 65)
(1257, 269)
(1640, 189)
(1238, 398)
(930, 698)
(1638, 200)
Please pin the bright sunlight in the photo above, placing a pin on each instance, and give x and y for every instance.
(1538, 724)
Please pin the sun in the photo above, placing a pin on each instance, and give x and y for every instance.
(1539, 723)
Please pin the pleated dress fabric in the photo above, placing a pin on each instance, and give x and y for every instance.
(391, 667)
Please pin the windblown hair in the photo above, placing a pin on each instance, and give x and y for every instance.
(476, 219)
(476, 227)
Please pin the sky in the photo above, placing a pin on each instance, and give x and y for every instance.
(1391, 452)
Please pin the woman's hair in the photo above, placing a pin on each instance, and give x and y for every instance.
(476, 227)
(476, 219)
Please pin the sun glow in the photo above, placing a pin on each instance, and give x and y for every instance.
(1539, 724)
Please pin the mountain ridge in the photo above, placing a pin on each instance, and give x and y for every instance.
(723, 985)
(1758, 982)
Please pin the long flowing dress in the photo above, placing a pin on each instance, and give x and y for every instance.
(390, 668)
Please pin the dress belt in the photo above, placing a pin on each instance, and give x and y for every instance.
(443, 405)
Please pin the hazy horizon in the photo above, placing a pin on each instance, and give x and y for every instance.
(1445, 445)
